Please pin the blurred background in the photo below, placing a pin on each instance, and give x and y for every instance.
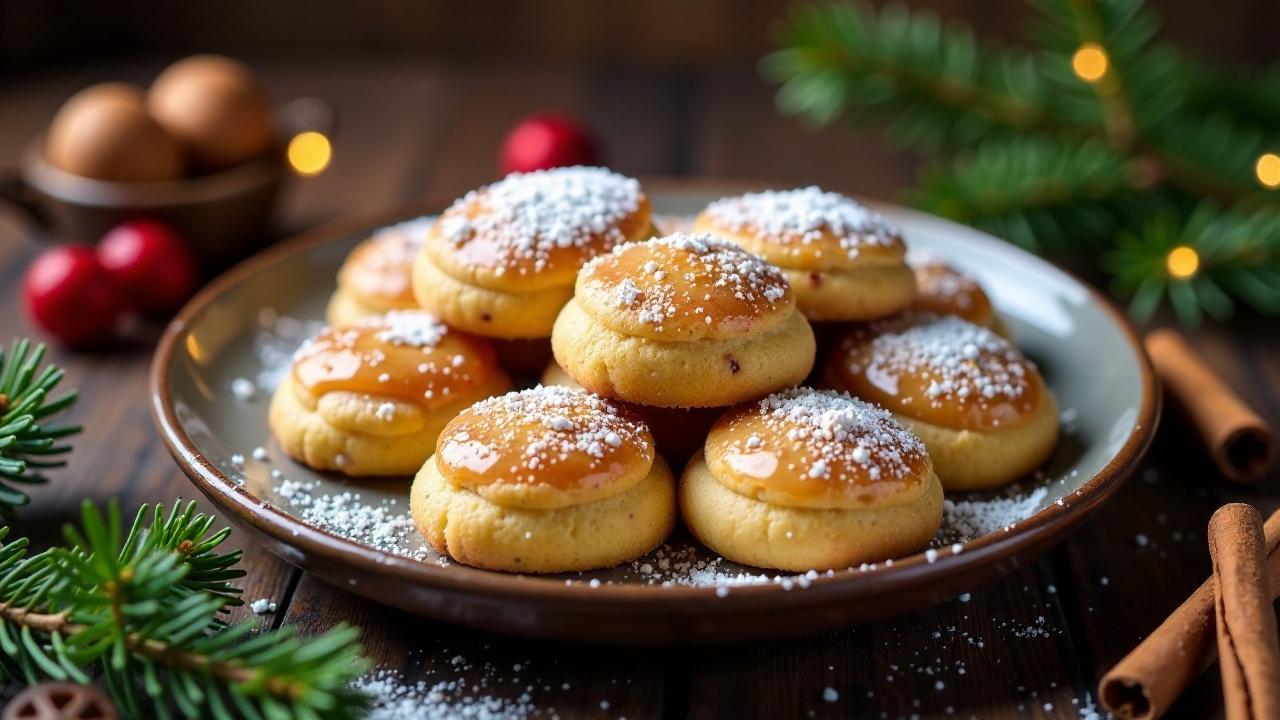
(425, 90)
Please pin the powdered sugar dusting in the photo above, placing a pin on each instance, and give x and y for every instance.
(413, 328)
(967, 361)
(554, 424)
(527, 216)
(686, 275)
(801, 217)
(838, 434)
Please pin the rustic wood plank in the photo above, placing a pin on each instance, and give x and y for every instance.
(745, 137)
(1003, 652)
(553, 678)
(1145, 551)
(118, 454)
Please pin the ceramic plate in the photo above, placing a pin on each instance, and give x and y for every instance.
(242, 329)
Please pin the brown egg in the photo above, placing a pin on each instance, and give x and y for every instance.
(214, 106)
(104, 132)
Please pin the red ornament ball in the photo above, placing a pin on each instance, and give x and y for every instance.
(69, 294)
(545, 141)
(151, 263)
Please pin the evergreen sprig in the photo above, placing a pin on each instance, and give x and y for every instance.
(1157, 152)
(29, 445)
(139, 610)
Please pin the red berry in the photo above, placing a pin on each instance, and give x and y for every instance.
(151, 263)
(545, 141)
(68, 293)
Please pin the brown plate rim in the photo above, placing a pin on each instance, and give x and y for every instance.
(904, 574)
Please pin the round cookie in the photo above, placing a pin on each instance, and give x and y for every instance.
(682, 321)
(501, 261)
(544, 480)
(844, 261)
(678, 433)
(941, 289)
(371, 398)
(980, 406)
(811, 480)
(374, 278)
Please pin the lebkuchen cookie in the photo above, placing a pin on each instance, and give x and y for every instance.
(979, 405)
(943, 290)
(371, 398)
(683, 321)
(845, 262)
(544, 480)
(374, 279)
(811, 480)
(501, 261)
(677, 432)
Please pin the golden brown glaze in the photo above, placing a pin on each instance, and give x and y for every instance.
(805, 229)
(943, 290)
(939, 369)
(685, 288)
(547, 447)
(533, 231)
(817, 449)
(406, 355)
(377, 271)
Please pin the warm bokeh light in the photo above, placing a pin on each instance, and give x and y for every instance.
(1268, 170)
(1182, 262)
(309, 153)
(1090, 62)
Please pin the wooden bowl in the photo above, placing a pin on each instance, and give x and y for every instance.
(1090, 357)
(224, 215)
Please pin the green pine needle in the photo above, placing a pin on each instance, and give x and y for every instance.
(28, 442)
(139, 611)
(1140, 160)
(1039, 193)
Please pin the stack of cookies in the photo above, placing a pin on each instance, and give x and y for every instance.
(660, 350)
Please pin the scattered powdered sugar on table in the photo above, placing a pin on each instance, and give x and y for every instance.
(803, 216)
(447, 698)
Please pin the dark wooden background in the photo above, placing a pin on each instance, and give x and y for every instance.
(1032, 645)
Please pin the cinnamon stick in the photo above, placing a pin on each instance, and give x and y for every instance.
(1240, 443)
(1248, 649)
(1145, 683)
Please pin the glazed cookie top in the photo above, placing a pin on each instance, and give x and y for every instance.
(545, 448)
(943, 290)
(817, 449)
(378, 269)
(531, 231)
(942, 370)
(405, 355)
(804, 229)
(684, 288)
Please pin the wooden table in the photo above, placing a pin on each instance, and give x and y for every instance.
(1034, 644)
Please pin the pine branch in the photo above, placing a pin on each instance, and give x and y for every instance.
(935, 80)
(28, 445)
(1051, 155)
(1036, 192)
(139, 609)
(1238, 253)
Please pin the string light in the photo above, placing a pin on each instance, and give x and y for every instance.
(1182, 262)
(1268, 170)
(309, 153)
(1090, 62)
